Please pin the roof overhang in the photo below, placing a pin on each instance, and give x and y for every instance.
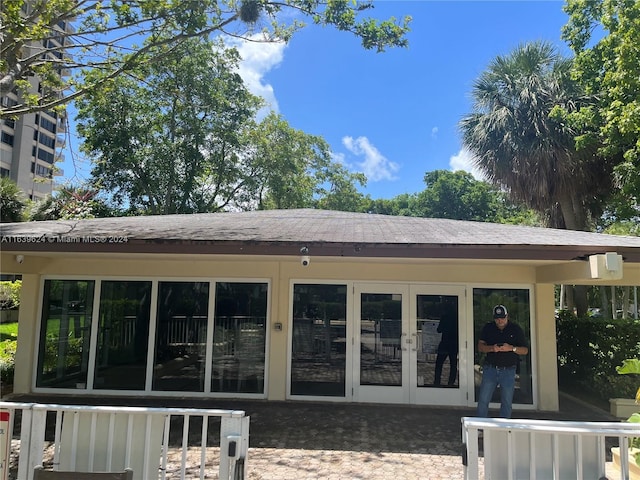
(324, 249)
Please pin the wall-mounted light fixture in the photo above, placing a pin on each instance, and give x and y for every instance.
(20, 258)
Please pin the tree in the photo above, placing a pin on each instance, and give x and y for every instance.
(457, 195)
(608, 68)
(170, 138)
(108, 36)
(12, 202)
(296, 170)
(400, 205)
(182, 137)
(520, 145)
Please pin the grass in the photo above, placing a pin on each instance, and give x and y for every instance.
(8, 331)
(8, 341)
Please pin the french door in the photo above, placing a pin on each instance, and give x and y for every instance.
(409, 344)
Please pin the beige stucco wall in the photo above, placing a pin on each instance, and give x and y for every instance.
(25, 353)
(546, 348)
(281, 272)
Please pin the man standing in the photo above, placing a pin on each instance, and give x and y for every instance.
(503, 342)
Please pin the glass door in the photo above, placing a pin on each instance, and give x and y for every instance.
(409, 344)
(381, 370)
(437, 356)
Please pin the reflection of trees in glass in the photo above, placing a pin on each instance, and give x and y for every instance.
(65, 332)
(124, 321)
(516, 301)
(318, 358)
(180, 303)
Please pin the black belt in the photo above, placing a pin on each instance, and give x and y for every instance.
(501, 368)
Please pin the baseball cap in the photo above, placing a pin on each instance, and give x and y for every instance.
(499, 311)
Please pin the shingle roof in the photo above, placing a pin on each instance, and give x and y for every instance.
(320, 227)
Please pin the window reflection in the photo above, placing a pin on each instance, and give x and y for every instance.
(181, 333)
(380, 336)
(123, 331)
(65, 333)
(239, 337)
(437, 329)
(519, 307)
(318, 352)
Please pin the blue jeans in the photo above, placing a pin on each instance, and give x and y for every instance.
(491, 378)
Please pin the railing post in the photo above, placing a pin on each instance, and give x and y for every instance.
(470, 453)
(25, 436)
(37, 421)
(234, 446)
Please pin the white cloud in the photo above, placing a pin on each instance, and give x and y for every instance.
(374, 165)
(463, 160)
(434, 132)
(258, 58)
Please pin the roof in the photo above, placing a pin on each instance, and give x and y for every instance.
(284, 232)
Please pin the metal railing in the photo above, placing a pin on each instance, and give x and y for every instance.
(110, 438)
(543, 449)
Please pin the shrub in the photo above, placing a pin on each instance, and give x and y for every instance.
(7, 361)
(10, 294)
(589, 349)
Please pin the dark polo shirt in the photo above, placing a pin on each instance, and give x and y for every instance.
(511, 334)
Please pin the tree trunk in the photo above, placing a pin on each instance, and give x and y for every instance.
(569, 297)
(604, 303)
(580, 299)
(625, 301)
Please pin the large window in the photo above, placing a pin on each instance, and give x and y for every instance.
(65, 329)
(518, 305)
(318, 351)
(123, 332)
(239, 338)
(181, 333)
(153, 336)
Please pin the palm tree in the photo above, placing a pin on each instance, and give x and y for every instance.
(520, 143)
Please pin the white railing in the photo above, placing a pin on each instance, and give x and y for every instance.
(543, 449)
(108, 438)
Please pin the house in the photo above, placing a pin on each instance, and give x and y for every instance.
(291, 304)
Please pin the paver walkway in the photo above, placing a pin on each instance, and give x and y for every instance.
(309, 440)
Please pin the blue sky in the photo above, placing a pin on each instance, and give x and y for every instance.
(393, 115)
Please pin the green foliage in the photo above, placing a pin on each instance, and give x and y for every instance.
(459, 196)
(456, 195)
(589, 350)
(103, 33)
(70, 202)
(624, 227)
(631, 366)
(8, 331)
(185, 140)
(72, 357)
(521, 143)
(608, 68)
(7, 361)
(10, 294)
(8, 344)
(12, 201)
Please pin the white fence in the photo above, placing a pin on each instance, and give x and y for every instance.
(106, 438)
(543, 449)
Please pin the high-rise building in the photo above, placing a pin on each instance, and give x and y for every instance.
(31, 144)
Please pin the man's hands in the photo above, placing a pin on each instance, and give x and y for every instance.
(502, 347)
